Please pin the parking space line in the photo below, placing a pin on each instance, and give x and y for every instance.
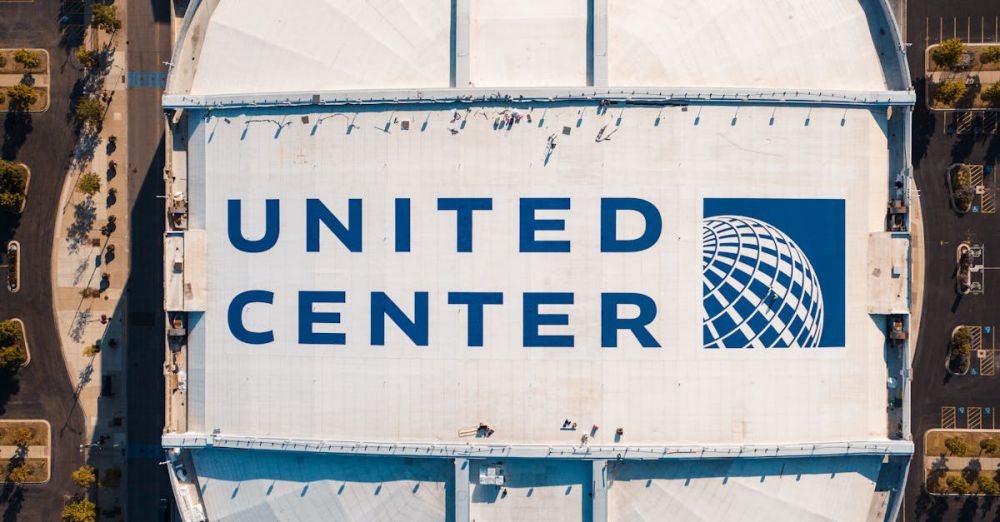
(976, 337)
(948, 417)
(975, 419)
(986, 364)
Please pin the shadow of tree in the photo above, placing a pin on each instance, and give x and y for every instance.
(78, 233)
(9, 386)
(79, 325)
(16, 127)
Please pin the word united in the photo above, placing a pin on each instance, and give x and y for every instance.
(320, 220)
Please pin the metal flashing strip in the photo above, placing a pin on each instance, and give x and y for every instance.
(666, 95)
(587, 452)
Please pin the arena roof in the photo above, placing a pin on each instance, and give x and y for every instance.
(674, 157)
(425, 150)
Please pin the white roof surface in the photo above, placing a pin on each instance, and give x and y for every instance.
(680, 393)
(262, 46)
(259, 486)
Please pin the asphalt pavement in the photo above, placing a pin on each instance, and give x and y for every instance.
(45, 142)
(148, 49)
(940, 399)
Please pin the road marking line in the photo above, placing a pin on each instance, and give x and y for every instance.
(975, 420)
(948, 417)
(986, 364)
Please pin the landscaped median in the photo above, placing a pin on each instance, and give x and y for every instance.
(963, 76)
(962, 462)
(959, 358)
(14, 352)
(13, 266)
(24, 80)
(25, 450)
(15, 178)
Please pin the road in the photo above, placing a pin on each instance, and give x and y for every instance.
(934, 391)
(148, 49)
(45, 142)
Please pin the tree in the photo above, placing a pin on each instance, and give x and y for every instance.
(958, 485)
(956, 446)
(21, 96)
(106, 18)
(950, 92)
(81, 510)
(10, 333)
(90, 112)
(84, 476)
(27, 59)
(991, 54)
(991, 95)
(22, 437)
(20, 474)
(989, 446)
(86, 58)
(13, 182)
(89, 183)
(987, 485)
(12, 357)
(948, 53)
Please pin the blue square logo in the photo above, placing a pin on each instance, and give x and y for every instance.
(773, 273)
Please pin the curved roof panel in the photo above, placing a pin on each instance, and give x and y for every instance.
(261, 46)
(791, 44)
(265, 46)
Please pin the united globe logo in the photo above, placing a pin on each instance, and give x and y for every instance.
(760, 286)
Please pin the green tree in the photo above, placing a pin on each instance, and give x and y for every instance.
(991, 95)
(89, 183)
(956, 446)
(81, 510)
(991, 54)
(989, 446)
(106, 18)
(10, 333)
(13, 183)
(12, 357)
(90, 112)
(948, 53)
(22, 437)
(27, 59)
(948, 93)
(958, 485)
(86, 58)
(84, 476)
(988, 485)
(21, 96)
(20, 473)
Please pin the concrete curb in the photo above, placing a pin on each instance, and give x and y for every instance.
(24, 337)
(48, 89)
(48, 444)
(948, 356)
(17, 272)
(951, 189)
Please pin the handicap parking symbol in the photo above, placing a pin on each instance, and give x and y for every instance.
(987, 329)
(974, 372)
(961, 409)
(988, 410)
(975, 208)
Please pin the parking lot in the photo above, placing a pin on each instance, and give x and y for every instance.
(940, 140)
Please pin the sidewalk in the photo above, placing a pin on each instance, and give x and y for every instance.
(960, 463)
(88, 306)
